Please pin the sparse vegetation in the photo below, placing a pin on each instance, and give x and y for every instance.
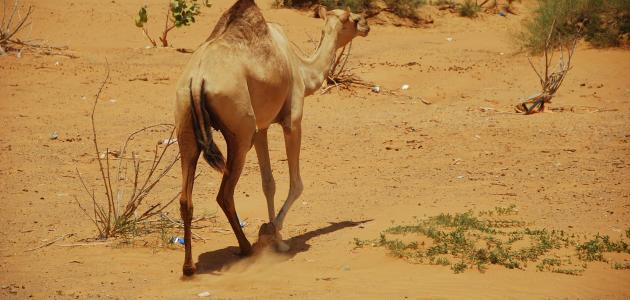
(125, 204)
(402, 8)
(180, 13)
(603, 23)
(621, 266)
(405, 8)
(594, 249)
(11, 24)
(475, 242)
(470, 9)
(550, 80)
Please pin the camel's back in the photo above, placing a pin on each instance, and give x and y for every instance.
(242, 23)
(242, 53)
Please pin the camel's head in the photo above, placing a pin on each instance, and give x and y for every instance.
(347, 25)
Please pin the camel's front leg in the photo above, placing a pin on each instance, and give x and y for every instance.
(268, 183)
(292, 139)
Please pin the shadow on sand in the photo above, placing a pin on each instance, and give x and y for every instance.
(214, 261)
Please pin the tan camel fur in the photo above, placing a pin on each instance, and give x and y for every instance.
(244, 78)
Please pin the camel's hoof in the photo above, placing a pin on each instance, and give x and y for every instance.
(282, 246)
(189, 270)
(245, 252)
(267, 229)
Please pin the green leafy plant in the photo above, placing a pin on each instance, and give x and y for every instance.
(603, 23)
(405, 8)
(180, 13)
(467, 240)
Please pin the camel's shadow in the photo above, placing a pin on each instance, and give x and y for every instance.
(214, 261)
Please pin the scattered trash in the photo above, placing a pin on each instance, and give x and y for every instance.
(460, 177)
(112, 100)
(501, 53)
(112, 153)
(450, 39)
(404, 87)
(243, 223)
(204, 294)
(56, 63)
(19, 54)
(177, 240)
(376, 89)
(54, 135)
(502, 14)
(167, 141)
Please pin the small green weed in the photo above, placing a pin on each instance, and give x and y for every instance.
(621, 266)
(475, 242)
(459, 267)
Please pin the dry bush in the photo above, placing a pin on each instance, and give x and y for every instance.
(116, 214)
(13, 21)
(550, 81)
(340, 76)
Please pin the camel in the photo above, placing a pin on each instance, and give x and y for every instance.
(244, 78)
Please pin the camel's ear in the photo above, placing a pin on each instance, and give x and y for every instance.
(322, 12)
(344, 17)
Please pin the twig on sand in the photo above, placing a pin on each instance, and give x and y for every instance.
(51, 242)
(408, 97)
(85, 244)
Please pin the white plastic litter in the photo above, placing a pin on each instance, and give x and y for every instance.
(167, 141)
(376, 89)
(204, 294)
(404, 87)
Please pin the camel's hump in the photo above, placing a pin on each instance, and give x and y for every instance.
(243, 21)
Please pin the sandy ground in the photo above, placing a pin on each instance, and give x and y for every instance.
(367, 160)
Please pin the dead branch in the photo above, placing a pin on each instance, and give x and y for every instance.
(51, 242)
(112, 218)
(552, 80)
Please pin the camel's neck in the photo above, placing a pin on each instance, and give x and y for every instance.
(315, 68)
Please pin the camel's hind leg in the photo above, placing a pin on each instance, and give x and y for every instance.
(189, 152)
(237, 152)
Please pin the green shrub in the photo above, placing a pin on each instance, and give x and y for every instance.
(405, 8)
(353, 5)
(402, 8)
(600, 22)
(469, 9)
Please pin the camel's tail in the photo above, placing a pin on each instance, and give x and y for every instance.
(202, 123)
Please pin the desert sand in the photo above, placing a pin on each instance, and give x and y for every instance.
(368, 160)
